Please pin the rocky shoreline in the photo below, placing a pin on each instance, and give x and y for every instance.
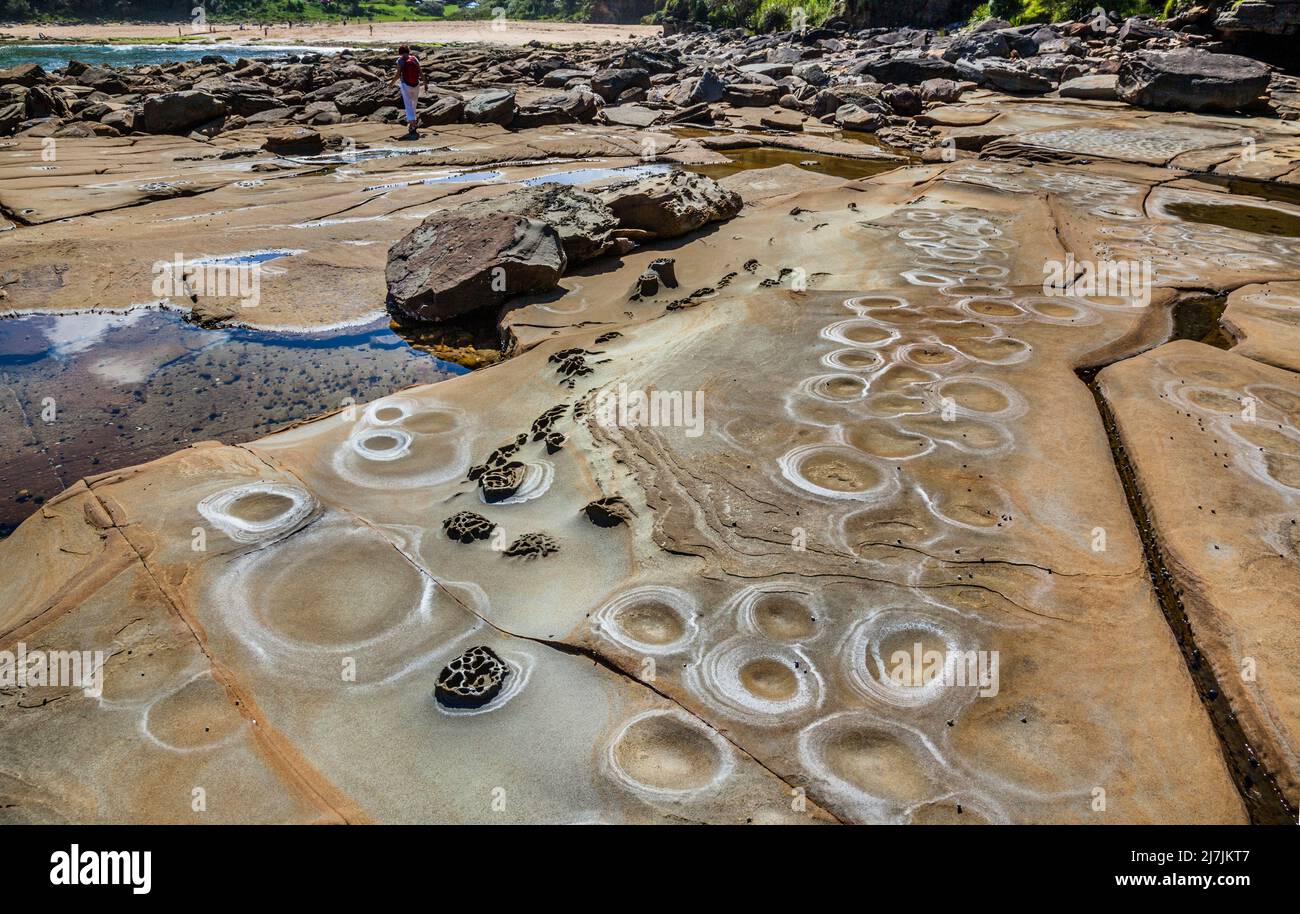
(877, 429)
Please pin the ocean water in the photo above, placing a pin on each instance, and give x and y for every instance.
(53, 55)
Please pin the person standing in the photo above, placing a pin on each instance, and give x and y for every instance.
(408, 82)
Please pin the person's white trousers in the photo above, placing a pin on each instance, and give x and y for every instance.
(410, 94)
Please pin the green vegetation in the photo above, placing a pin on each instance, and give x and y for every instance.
(758, 15)
(1021, 12)
(225, 11)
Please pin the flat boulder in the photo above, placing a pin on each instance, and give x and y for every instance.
(454, 263)
(1100, 86)
(1191, 80)
(752, 95)
(177, 112)
(294, 141)
(366, 98)
(25, 74)
(671, 203)
(494, 106)
(444, 109)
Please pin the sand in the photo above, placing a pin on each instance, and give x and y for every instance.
(506, 32)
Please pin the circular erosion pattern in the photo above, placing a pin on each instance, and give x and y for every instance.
(258, 512)
(649, 620)
(756, 680)
(666, 753)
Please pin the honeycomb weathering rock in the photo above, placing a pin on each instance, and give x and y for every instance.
(466, 527)
(472, 680)
(532, 546)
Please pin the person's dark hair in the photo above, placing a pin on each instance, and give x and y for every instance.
(404, 50)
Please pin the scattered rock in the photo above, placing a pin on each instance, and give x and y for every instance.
(472, 680)
(466, 527)
(609, 511)
(532, 546)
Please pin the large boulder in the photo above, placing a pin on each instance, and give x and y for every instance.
(577, 105)
(494, 106)
(453, 263)
(177, 112)
(1010, 78)
(25, 74)
(752, 95)
(444, 109)
(366, 98)
(695, 90)
(610, 84)
(671, 203)
(584, 222)
(854, 117)
(294, 141)
(1099, 86)
(1260, 18)
(1191, 80)
(909, 70)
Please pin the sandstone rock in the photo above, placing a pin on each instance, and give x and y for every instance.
(631, 115)
(611, 83)
(26, 74)
(811, 73)
(940, 90)
(609, 511)
(176, 112)
(903, 99)
(444, 109)
(582, 220)
(466, 527)
(366, 98)
(1096, 87)
(495, 106)
(783, 119)
(1014, 79)
(752, 95)
(295, 141)
(453, 264)
(1259, 18)
(1191, 80)
(670, 204)
(472, 680)
(852, 117)
(909, 70)
(697, 89)
(123, 120)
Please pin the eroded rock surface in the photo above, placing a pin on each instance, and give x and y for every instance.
(870, 440)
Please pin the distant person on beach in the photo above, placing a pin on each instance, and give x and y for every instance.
(408, 82)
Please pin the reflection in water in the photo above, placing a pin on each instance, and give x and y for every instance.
(81, 394)
(590, 175)
(769, 157)
(1257, 219)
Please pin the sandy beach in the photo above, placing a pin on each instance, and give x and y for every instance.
(507, 32)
